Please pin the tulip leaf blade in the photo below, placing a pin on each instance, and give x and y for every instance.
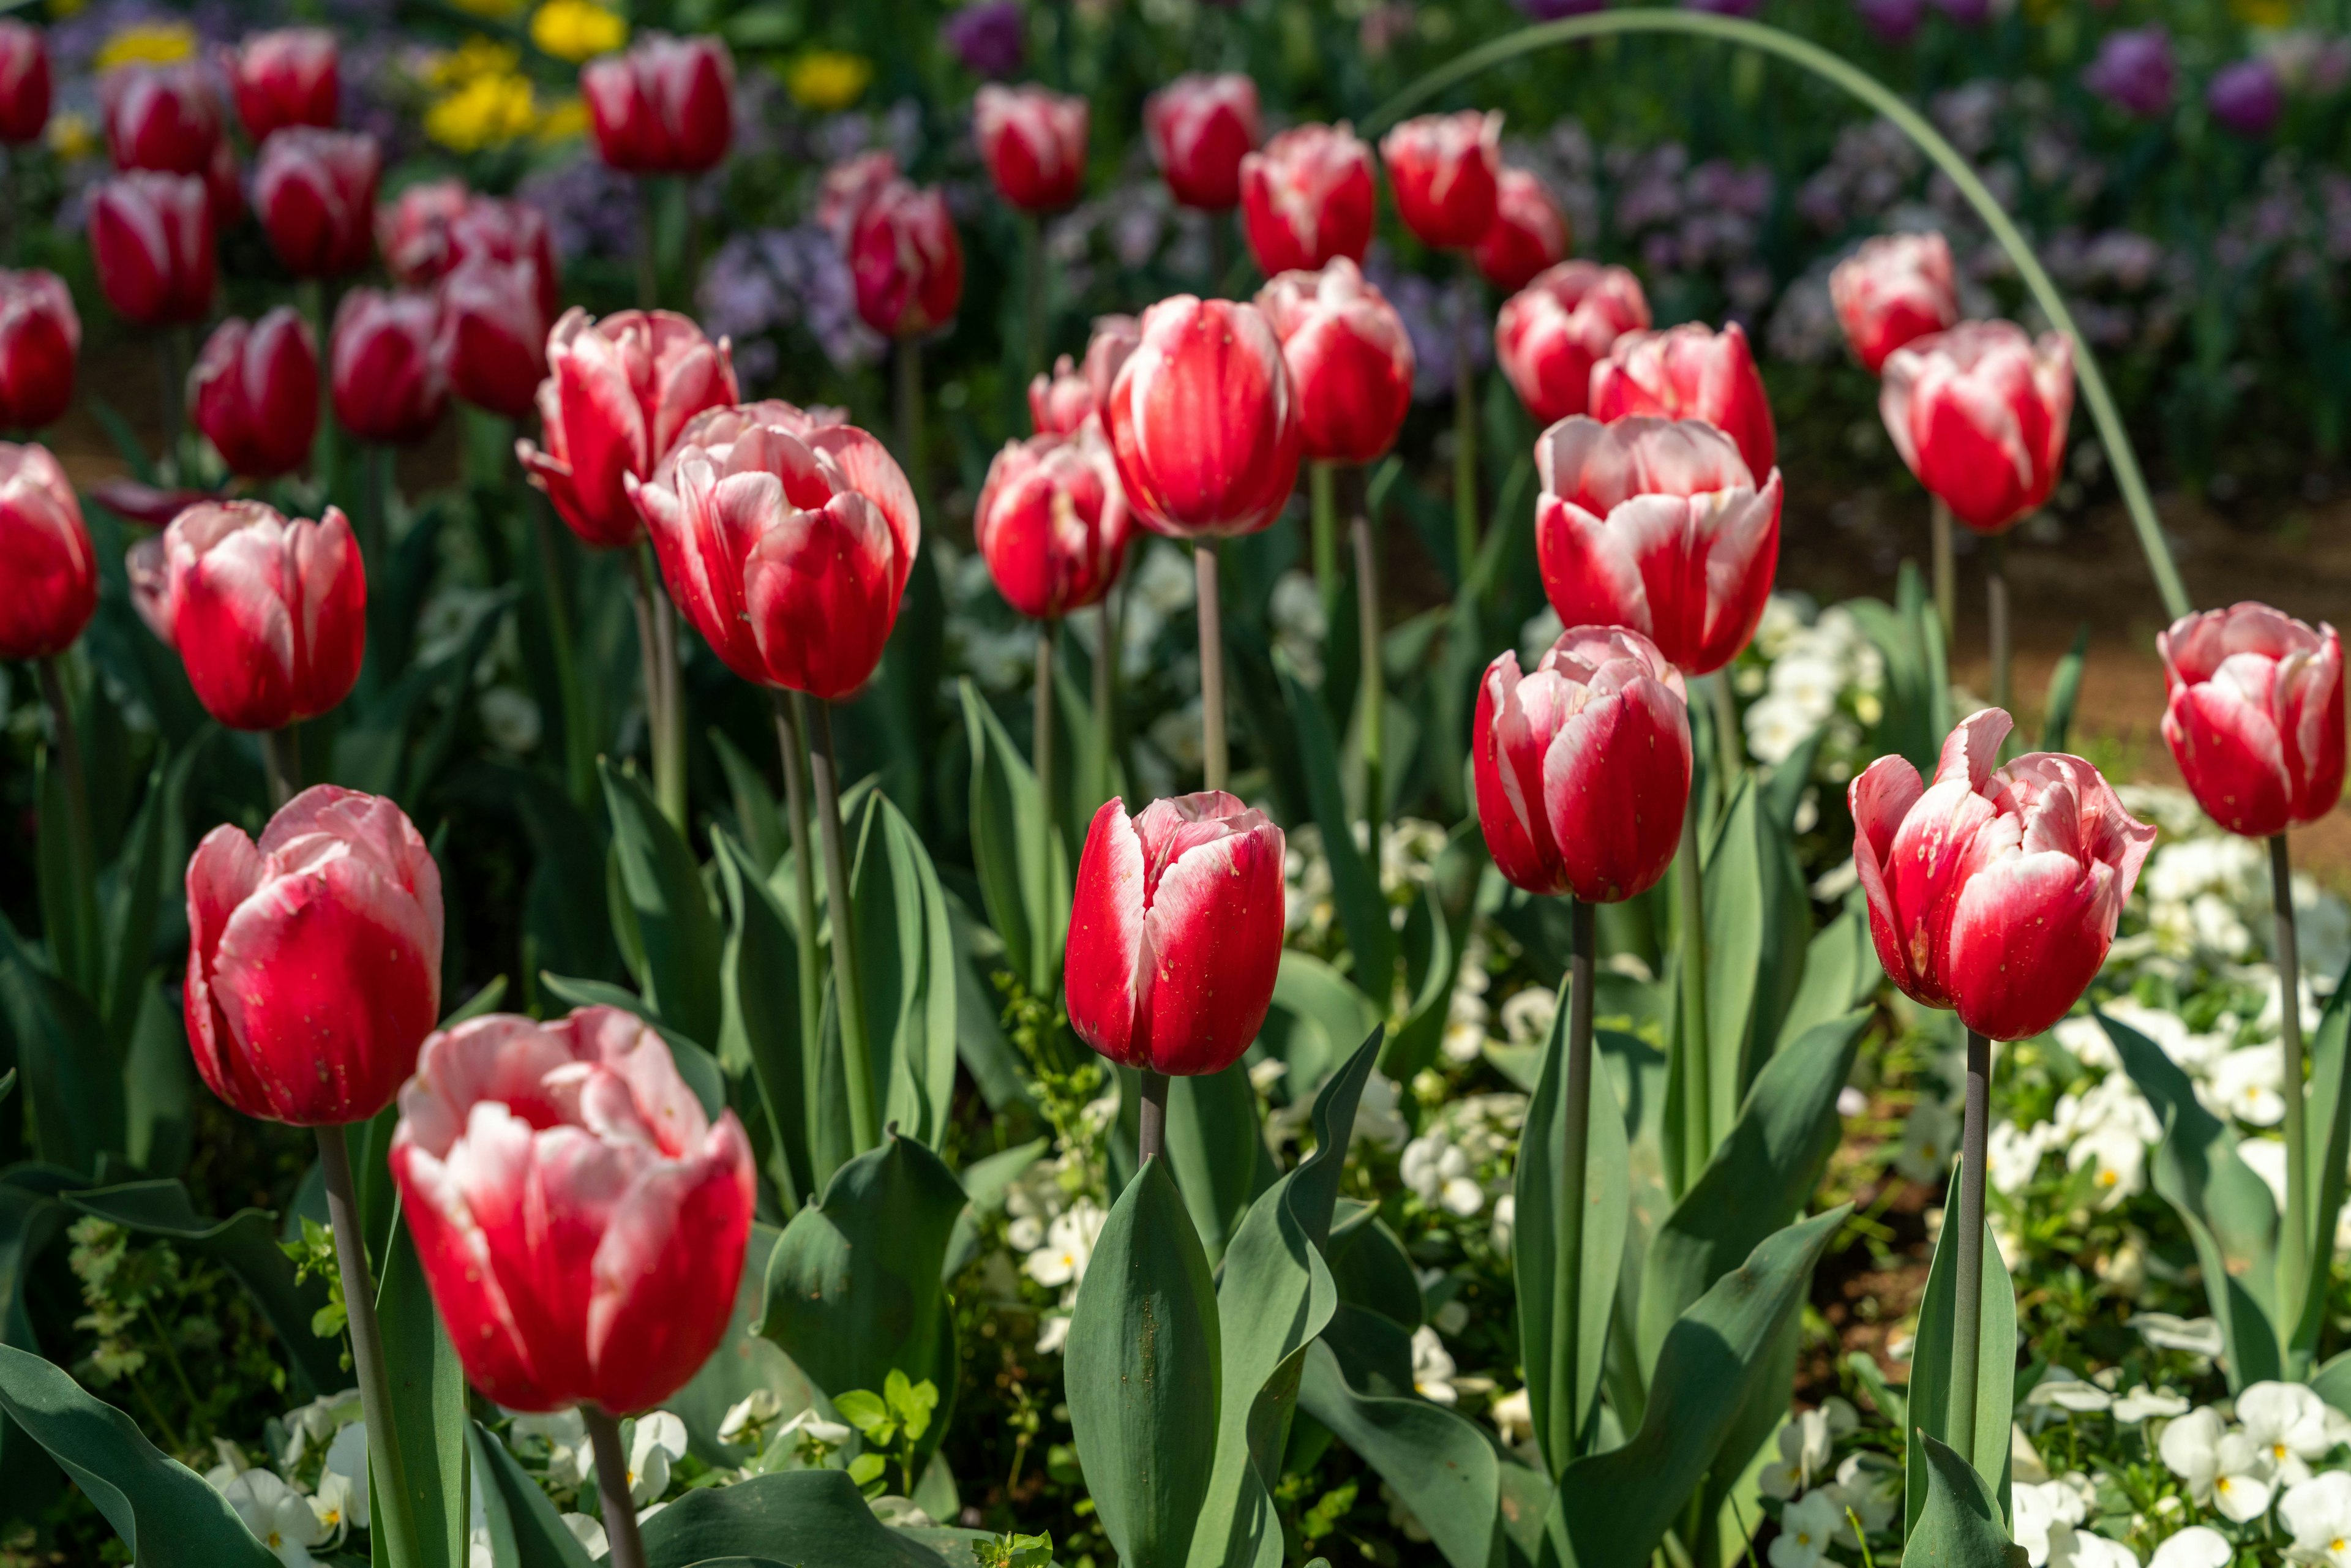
(906, 966)
(428, 1411)
(70, 1074)
(663, 891)
(794, 1516)
(1024, 870)
(1354, 878)
(742, 1364)
(1959, 1524)
(1217, 1148)
(521, 1518)
(1370, 1265)
(2330, 1125)
(164, 1511)
(1928, 1396)
(759, 1010)
(1316, 1013)
(1431, 962)
(1736, 913)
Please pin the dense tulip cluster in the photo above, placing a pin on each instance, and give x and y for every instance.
(1527, 236)
(152, 237)
(493, 333)
(907, 260)
(1978, 413)
(40, 336)
(388, 379)
(2255, 715)
(666, 107)
(1348, 358)
(253, 392)
(1202, 421)
(290, 76)
(45, 556)
(315, 191)
(24, 86)
(1552, 333)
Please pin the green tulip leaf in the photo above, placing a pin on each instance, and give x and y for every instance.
(428, 1412)
(759, 1012)
(1932, 1385)
(72, 1074)
(662, 889)
(525, 1530)
(1315, 1021)
(2330, 1131)
(1217, 1146)
(906, 964)
(1354, 879)
(798, 1516)
(1957, 1526)
(1024, 870)
(1370, 1266)
(1431, 962)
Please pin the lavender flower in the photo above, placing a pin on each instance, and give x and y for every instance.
(2134, 71)
(591, 210)
(988, 37)
(1895, 22)
(761, 282)
(1440, 320)
(2246, 98)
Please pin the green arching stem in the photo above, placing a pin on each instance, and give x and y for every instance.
(394, 1510)
(1322, 490)
(1033, 322)
(1373, 678)
(1946, 587)
(1834, 68)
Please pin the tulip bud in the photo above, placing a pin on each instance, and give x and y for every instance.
(314, 958)
(390, 382)
(847, 186)
(907, 261)
(254, 392)
(290, 76)
(1348, 357)
(1527, 236)
(1444, 171)
(44, 556)
(411, 230)
(493, 336)
(666, 107)
(1550, 333)
(786, 540)
(151, 236)
(1582, 768)
(1659, 526)
(620, 1283)
(1051, 523)
(268, 615)
(315, 190)
(1175, 933)
(617, 393)
(1980, 413)
(1203, 421)
(1308, 199)
(23, 82)
(1034, 144)
(1690, 371)
(2255, 715)
(1200, 128)
(1060, 402)
(509, 230)
(1894, 290)
(40, 335)
(1994, 893)
(161, 118)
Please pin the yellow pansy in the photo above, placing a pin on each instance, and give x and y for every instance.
(2264, 13)
(827, 80)
(148, 43)
(487, 111)
(72, 135)
(478, 57)
(577, 30)
(563, 119)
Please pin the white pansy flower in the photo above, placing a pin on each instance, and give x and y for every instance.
(343, 1485)
(589, 1533)
(1069, 1246)
(314, 1425)
(2246, 1082)
(1929, 1137)
(2287, 1422)
(1527, 1016)
(279, 1517)
(569, 1459)
(1052, 1333)
(231, 1466)
(1513, 1418)
(658, 1440)
(1505, 1224)
(2062, 1389)
(1806, 1526)
(1806, 1444)
(2072, 1547)
(746, 1417)
(814, 1429)
(2197, 1336)
(2040, 1511)
(2147, 1404)
(2223, 1470)
(2011, 1153)
(2317, 1513)
(2116, 1160)
(2198, 1546)
(1432, 1368)
(1870, 1486)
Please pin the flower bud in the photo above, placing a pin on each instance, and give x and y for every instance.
(254, 392)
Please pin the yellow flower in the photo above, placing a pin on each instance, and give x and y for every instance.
(148, 43)
(2264, 13)
(577, 30)
(487, 111)
(478, 57)
(72, 135)
(825, 80)
(563, 119)
(61, 9)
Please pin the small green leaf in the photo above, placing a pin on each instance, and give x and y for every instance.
(861, 1409)
(811, 1516)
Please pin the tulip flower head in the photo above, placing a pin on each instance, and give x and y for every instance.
(1202, 421)
(1060, 403)
(786, 538)
(1690, 371)
(316, 193)
(160, 116)
(666, 107)
(152, 237)
(848, 185)
(493, 333)
(1657, 525)
(907, 260)
(1348, 357)
(291, 75)
(2246, 98)
(1200, 128)
(24, 86)
(1528, 232)
(1980, 413)
(1994, 891)
(1308, 198)
(1033, 142)
(1583, 766)
(390, 382)
(1051, 523)
(254, 392)
(581, 1219)
(269, 616)
(1551, 332)
(1893, 291)
(44, 556)
(1175, 933)
(2255, 715)
(1445, 171)
(314, 958)
(40, 336)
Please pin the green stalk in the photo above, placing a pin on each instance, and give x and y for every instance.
(1373, 678)
(849, 1000)
(1697, 1059)
(1996, 605)
(1040, 746)
(579, 728)
(2297, 1247)
(1322, 490)
(791, 741)
(1151, 1123)
(394, 1505)
(621, 1536)
(171, 385)
(326, 458)
(648, 263)
(78, 835)
(1968, 1274)
(1464, 442)
(1728, 746)
(1033, 320)
(909, 391)
(669, 769)
(1098, 744)
(281, 760)
(1947, 585)
(1560, 1442)
(1212, 666)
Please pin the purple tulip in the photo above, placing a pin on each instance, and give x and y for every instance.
(989, 37)
(1895, 22)
(2134, 71)
(2246, 98)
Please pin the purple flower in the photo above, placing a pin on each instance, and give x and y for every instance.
(2134, 71)
(1894, 21)
(1554, 10)
(1966, 12)
(989, 37)
(2246, 98)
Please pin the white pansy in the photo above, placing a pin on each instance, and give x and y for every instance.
(232, 1464)
(1432, 1368)
(569, 1460)
(2197, 1336)
(2224, 1470)
(1052, 1333)
(2246, 1082)
(2073, 1547)
(1263, 1075)
(2287, 1422)
(589, 1533)
(657, 1441)
(1527, 1016)
(2198, 1546)
(1505, 1224)
(1806, 1443)
(1806, 1526)
(279, 1517)
(2115, 1158)
(345, 1478)
(1870, 1486)
(748, 1416)
(2062, 1389)
(1165, 580)
(2149, 1405)
(1513, 1418)
(1379, 1114)
(815, 1429)
(2040, 1511)
(314, 1425)
(1775, 726)
(2011, 1153)
(1929, 1137)
(2112, 1102)
(1069, 1246)
(2317, 1513)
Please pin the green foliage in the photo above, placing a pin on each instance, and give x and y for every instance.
(897, 1418)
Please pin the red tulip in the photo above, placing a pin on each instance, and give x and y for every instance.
(151, 235)
(1551, 332)
(666, 107)
(1527, 236)
(617, 393)
(1060, 404)
(429, 228)
(1348, 357)
(493, 334)
(907, 261)
(1582, 768)
(1659, 526)
(23, 82)
(1203, 421)
(315, 190)
(1033, 142)
(44, 556)
(580, 1220)
(1894, 290)
(1175, 933)
(1690, 371)
(389, 381)
(2255, 715)
(314, 958)
(152, 506)
(1200, 128)
(1978, 413)
(268, 615)
(254, 392)
(1308, 199)
(288, 77)
(160, 116)
(40, 335)
(1051, 523)
(1444, 170)
(509, 231)
(847, 186)
(1995, 894)
(786, 538)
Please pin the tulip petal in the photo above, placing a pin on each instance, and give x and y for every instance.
(1101, 973)
(462, 1274)
(665, 1273)
(1211, 948)
(2024, 940)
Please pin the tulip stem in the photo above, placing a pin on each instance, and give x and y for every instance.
(1040, 746)
(1033, 318)
(662, 734)
(1098, 744)
(1968, 1271)
(849, 1001)
(791, 740)
(171, 384)
(1567, 1282)
(1698, 1062)
(2299, 1249)
(1151, 1123)
(1727, 748)
(909, 390)
(628, 1548)
(1946, 587)
(281, 758)
(394, 1505)
(1373, 676)
(1212, 666)
(1322, 490)
(648, 262)
(1996, 605)
(578, 730)
(1465, 444)
(83, 902)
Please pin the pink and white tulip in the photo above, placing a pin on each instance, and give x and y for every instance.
(1980, 413)
(1690, 371)
(1349, 359)
(1893, 291)
(1051, 523)
(1551, 332)
(1202, 421)
(2255, 715)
